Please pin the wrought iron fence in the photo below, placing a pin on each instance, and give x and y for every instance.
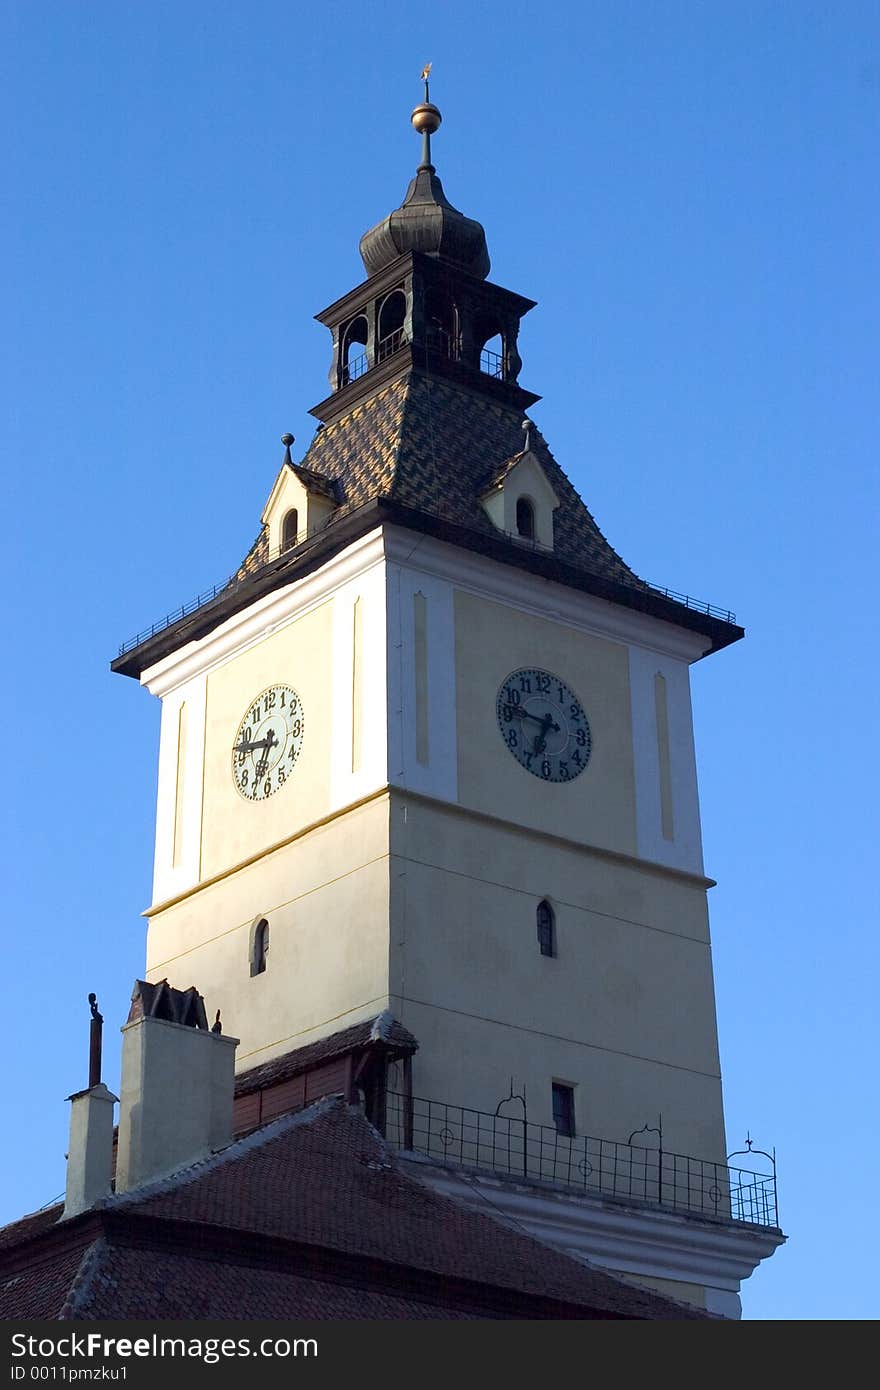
(492, 363)
(604, 1167)
(390, 343)
(354, 368)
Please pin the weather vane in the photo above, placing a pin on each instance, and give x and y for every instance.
(426, 73)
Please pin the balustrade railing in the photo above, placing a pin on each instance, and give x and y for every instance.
(518, 1148)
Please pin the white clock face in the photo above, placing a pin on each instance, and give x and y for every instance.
(544, 725)
(268, 742)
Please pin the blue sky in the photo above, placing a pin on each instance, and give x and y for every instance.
(689, 190)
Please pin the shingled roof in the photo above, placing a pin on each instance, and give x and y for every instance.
(435, 446)
(384, 1029)
(311, 1216)
(422, 451)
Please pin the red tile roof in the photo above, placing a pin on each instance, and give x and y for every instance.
(309, 1217)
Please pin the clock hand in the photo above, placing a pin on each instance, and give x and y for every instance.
(270, 741)
(541, 739)
(546, 723)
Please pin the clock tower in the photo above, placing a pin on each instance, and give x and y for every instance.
(429, 752)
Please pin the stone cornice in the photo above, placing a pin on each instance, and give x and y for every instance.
(629, 1237)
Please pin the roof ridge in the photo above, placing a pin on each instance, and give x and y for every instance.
(192, 1172)
(81, 1282)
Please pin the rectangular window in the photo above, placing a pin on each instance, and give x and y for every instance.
(563, 1108)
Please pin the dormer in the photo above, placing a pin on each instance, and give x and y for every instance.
(301, 502)
(520, 500)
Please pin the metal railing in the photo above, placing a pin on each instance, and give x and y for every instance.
(492, 363)
(389, 344)
(697, 605)
(354, 368)
(602, 1167)
(254, 565)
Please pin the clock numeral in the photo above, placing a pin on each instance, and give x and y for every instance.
(255, 715)
(296, 730)
(269, 701)
(244, 776)
(281, 776)
(545, 769)
(581, 737)
(512, 740)
(575, 711)
(543, 683)
(267, 786)
(563, 770)
(525, 685)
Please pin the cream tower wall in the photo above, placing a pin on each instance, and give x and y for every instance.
(403, 864)
(313, 858)
(625, 1012)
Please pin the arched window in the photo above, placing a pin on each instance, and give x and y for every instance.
(492, 356)
(546, 929)
(525, 519)
(259, 946)
(354, 350)
(391, 317)
(290, 529)
(440, 323)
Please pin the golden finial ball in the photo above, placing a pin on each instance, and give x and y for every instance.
(426, 118)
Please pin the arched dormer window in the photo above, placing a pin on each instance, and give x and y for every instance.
(259, 946)
(290, 529)
(525, 518)
(546, 920)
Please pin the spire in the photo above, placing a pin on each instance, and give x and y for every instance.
(426, 221)
(426, 118)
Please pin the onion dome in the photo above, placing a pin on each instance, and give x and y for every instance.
(426, 221)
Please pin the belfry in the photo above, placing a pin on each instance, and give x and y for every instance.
(428, 831)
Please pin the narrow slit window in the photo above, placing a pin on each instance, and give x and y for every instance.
(546, 919)
(290, 529)
(525, 519)
(260, 948)
(563, 1109)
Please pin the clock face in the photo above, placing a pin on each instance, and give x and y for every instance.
(544, 725)
(267, 744)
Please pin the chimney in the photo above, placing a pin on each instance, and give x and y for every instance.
(178, 1078)
(90, 1151)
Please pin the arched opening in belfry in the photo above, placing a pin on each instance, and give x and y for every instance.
(440, 323)
(392, 313)
(525, 518)
(353, 353)
(290, 529)
(492, 356)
